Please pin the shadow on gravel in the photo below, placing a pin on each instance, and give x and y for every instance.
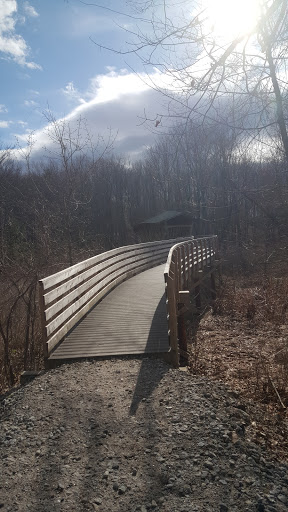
(67, 469)
(157, 341)
(146, 383)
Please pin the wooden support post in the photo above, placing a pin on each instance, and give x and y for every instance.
(213, 286)
(205, 252)
(43, 323)
(182, 340)
(202, 254)
(197, 289)
(172, 309)
(184, 266)
(198, 297)
(209, 249)
(184, 297)
(189, 263)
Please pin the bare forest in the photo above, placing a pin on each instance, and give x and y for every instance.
(53, 215)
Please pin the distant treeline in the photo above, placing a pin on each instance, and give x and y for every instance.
(55, 214)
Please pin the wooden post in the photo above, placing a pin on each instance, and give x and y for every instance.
(198, 297)
(172, 310)
(213, 286)
(43, 322)
(184, 257)
(197, 290)
(194, 264)
(211, 251)
(198, 263)
(182, 340)
(189, 264)
(206, 251)
(202, 254)
(179, 270)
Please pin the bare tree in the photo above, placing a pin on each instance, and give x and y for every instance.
(239, 79)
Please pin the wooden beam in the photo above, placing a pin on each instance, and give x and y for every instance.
(184, 297)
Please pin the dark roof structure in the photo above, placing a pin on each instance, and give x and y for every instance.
(167, 224)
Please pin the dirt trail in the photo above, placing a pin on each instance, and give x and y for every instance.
(133, 435)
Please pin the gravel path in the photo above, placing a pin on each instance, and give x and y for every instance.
(133, 435)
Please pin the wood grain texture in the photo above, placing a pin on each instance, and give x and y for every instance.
(184, 271)
(67, 273)
(131, 324)
(132, 319)
(68, 295)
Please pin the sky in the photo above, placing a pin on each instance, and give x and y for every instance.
(53, 74)
(51, 69)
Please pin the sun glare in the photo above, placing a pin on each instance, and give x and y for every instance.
(232, 18)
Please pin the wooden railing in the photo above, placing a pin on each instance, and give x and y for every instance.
(66, 297)
(185, 268)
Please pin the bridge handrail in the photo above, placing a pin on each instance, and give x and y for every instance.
(68, 295)
(186, 261)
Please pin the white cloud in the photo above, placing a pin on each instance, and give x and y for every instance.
(30, 103)
(29, 10)
(24, 137)
(4, 124)
(13, 45)
(22, 123)
(3, 108)
(71, 93)
(113, 85)
(114, 103)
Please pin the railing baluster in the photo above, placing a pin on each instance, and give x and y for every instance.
(68, 295)
(188, 262)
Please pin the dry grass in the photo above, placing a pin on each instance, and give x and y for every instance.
(20, 332)
(262, 310)
(243, 341)
(266, 301)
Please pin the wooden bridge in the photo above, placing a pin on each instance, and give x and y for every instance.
(125, 301)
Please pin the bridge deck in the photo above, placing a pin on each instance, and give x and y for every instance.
(131, 319)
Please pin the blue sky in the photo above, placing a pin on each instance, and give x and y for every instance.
(48, 62)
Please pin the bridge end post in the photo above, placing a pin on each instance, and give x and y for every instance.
(172, 322)
(43, 324)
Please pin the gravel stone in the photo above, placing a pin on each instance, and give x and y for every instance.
(174, 442)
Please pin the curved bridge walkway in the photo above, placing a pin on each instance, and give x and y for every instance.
(125, 301)
(131, 319)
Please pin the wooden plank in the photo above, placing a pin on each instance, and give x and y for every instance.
(54, 340)
(59, 277)
(96, 293)
(99, 269)
(102, 278)
(107, 329)
(59, 322)
(186, 263)
(83, 355)
(43, 321)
